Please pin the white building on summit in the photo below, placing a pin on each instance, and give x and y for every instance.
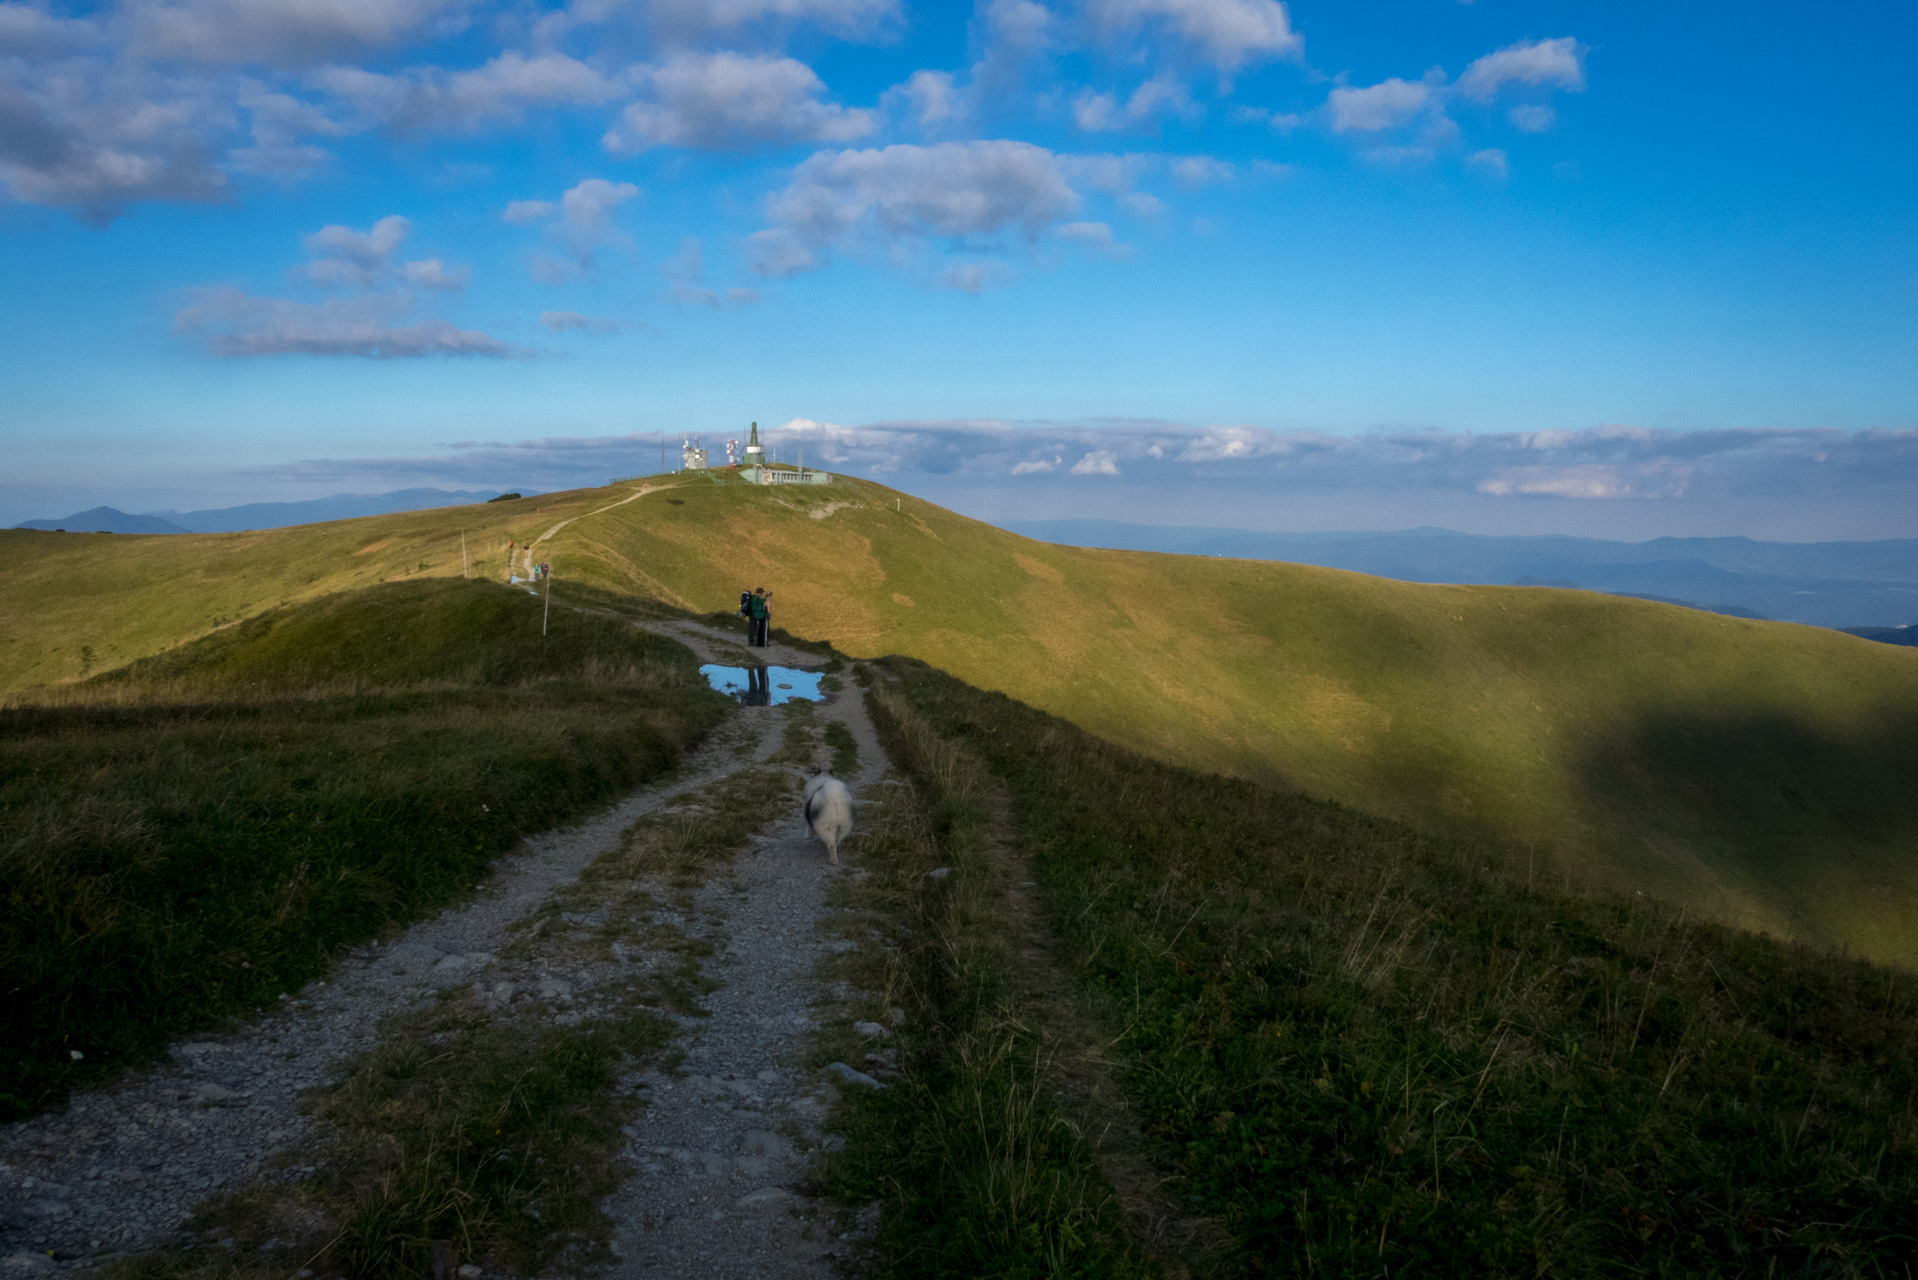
(692, 457)
(755, 468)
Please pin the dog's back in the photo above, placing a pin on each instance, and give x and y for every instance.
(828, 810)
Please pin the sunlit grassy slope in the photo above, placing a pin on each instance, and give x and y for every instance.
(1761, 772)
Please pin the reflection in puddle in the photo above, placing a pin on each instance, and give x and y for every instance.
(764, 686)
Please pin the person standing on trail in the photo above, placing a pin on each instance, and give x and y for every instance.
(761, 620)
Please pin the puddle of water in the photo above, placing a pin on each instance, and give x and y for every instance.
(764, 686)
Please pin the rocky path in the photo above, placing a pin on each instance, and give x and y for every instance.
(723, 1152)
(719, 1155)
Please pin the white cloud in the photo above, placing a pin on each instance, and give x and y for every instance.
(1532, 118)
(234, 323)
(976, 277)
(288, 32)
(1099, 462)
(687, 272)
(366, 322)
(1161, 95)
(731, 101)
(278, 122)
(29, 30)
(1094, 235)
(1280, 122)
(581, 223)
(1034, 466)
(779, 253)
(1491, 161)
(343, 256)
(1385, 105)
(1559, 482)
(574, 322)
(523, 213)
(431, 273)
(930, 98)
(1558, 63)
(898, 197)
(501, 89)
(682, 21)
(1193, 172)
(91, 136)
(1229, 34)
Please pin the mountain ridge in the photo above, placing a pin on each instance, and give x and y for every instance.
(1757, 772)
(1831, 584)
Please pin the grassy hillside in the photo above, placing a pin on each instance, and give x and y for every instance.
(193, 835)
(1757, 772)
(1360, 1051)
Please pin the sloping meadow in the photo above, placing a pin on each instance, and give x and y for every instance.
(1366, 1051)
(191, 836)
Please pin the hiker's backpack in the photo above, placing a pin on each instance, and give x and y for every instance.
(745, 604)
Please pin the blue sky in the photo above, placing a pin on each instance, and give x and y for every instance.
(1611, 269)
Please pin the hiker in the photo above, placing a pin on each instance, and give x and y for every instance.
(761, 620)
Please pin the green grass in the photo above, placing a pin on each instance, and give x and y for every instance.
(188, 839)
(1370, 1052)
(979, 1171)
(1755, 772)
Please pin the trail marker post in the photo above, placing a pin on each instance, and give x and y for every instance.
(547, 611)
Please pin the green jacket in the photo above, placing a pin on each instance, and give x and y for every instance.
(760, 611)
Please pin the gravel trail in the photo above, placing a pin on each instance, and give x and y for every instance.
(120, 1170)
(723, 1153)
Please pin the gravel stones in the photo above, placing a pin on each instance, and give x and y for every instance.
(122, 1169)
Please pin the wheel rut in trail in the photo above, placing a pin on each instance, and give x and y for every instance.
(724, 1149)
(122, 1170)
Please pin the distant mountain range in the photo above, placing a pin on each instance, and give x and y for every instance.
(262, 515)
(1861, 586)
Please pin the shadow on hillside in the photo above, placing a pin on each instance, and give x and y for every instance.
(1813, 830)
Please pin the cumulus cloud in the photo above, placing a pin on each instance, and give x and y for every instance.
(682, 21)
(1492, 162)
(292, 32)
(581, 223)
(234, 323)
(375, 319)
(1559, 64)
(1013, 462)
(28, 30)
(502, 89)
(342, 255)
(930, 99)
(1163, 95)
(899, 197)
(431, 273)
(279, 124)
(574, 322)
(1229, 34)
(1385, 105)
(687, 273)
(1099, 462)
(1532, 118)
(522, 213)
(731, 101)
(86, 135)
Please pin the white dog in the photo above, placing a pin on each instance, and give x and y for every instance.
(828, 811)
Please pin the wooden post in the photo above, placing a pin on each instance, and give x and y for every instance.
(547, 612)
